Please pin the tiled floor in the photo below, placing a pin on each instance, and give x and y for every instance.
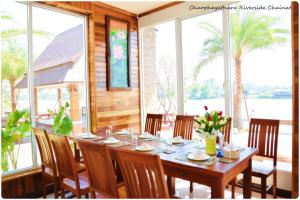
(202, 192)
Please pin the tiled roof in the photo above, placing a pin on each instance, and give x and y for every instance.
(65, 47)
(60, 61)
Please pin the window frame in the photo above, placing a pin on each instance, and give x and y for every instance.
(30, 73)
(227, 85)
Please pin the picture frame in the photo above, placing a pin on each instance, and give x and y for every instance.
(118, 54)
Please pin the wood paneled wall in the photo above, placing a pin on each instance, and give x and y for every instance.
(121, 109)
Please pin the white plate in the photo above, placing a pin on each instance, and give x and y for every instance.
(191, 157)
(122, 133)
(89, 136)
(139, 148)
(111, 142)
(145, 136)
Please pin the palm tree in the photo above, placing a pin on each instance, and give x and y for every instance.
(14, 66)
(11, 34)
(14, 57)
(248, 32)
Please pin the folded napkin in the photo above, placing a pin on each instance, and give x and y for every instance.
(145, 146)
(177, 139)
(199, 155)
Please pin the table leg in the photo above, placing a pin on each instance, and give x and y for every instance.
(247, 180)
(171, 185)
(217, 191)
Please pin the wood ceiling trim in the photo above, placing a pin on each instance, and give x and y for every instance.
(174, 3)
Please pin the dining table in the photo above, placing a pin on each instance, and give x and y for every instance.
(215, 173)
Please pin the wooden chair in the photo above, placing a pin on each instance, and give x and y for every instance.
(68, 169)
(49, 170)
(263, 135)
(143, 174)
(153, 123)
(100, 169)
(184, 125)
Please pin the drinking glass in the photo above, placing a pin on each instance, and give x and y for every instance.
(130, 132)
(108, 132)
(158, 135)
(169, 144)
(134, 139)
(109, 128)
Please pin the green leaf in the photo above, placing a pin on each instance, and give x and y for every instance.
(58, 119)
(66, 126)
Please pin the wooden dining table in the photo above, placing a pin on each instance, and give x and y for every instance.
(216, 176)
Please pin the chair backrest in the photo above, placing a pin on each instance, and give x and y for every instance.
(184, 125)
(263, 135)
(226, 130)
(64, 157)
(99, 166)
(143, 174)
(153, 123)
(46, 151)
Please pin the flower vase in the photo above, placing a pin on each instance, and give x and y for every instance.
(211, 144)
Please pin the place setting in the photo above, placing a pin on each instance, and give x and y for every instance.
(199, 157)
(147, 136)
(113, 142)
(87, 136)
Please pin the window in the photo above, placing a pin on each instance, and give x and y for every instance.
(203, 73)
(159, 72)
(237, 61)
(262, 87)
(59, 66)
(17, 154)
(58, 72)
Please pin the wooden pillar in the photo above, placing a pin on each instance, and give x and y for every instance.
(295, 99)
(36, 111)
(74, 102)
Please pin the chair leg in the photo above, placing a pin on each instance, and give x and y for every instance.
(44, 185)
(55, 185)
(263, 188)
(62, 189)
(191, 186)
(275, 185)
(233, 188)
(93, 194)
(86, 195)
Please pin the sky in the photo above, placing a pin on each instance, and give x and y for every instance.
(45, 20)
(270, 67)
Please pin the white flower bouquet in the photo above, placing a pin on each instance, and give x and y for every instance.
(210, 121)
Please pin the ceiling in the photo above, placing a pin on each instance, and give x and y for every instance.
(137, 7)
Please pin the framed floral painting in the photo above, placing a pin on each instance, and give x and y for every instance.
(118, 54)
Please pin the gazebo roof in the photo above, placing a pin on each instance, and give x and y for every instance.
(57, 64)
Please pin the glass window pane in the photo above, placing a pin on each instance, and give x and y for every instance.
(14, 54)
(203, 63)
(59, 67)
(159, 62)
(261, 59)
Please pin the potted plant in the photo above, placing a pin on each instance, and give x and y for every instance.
(62, 121)
(209, 125)
(17, 125)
